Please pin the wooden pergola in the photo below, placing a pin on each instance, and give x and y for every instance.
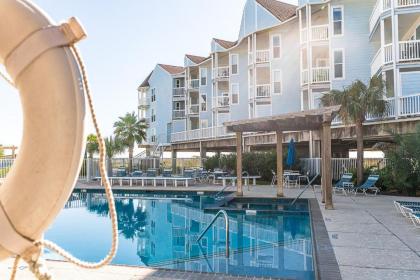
(311, 120)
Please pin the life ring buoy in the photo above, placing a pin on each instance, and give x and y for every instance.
(44, 69)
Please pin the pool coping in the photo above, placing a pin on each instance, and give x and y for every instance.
(326, 265)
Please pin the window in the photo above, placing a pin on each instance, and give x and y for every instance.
(203, 76)
(276, 82)
(153, 116)
(153, 95)
(153, 137)
(338, 64)
(177, 106)
(177, 83)
(276, 46)
(337, 17)
(203, 102)
(234, 61)
(234, 93)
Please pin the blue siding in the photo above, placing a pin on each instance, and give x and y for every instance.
(207, 115)
(410, 83)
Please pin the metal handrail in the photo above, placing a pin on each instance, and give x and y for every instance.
(226, 225)
(307, 186)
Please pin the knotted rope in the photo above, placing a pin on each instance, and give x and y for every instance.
(33, 256)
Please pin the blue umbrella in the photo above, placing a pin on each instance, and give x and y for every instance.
(291, 153)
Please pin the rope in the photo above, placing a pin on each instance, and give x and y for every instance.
(36, 266)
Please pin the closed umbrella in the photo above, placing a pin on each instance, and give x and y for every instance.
(291, 153)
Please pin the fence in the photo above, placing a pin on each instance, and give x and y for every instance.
(90, 167)
(339, 165)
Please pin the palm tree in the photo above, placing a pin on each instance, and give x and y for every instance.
(130, 131)
(357, 101)
(1, 152)
(113, 146)
(92, 145)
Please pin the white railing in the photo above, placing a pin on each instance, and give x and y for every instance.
(386, 4)
(194, 83)
(407, 3)
(376, 62)
(201, 133)
(222, 100)
(5, 165)
(320, 74)
(194, 109)
(409, 105)
(376, 13)
(263, 91)
(304, 76)
(179, 92)
(178, 114)
(319, 32)
(262, 56)
(388, 57)
(303, 35)
(410, 50)
(143, 102)
(221, 72)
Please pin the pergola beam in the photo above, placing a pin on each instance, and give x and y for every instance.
(239, 190)
(279, 158)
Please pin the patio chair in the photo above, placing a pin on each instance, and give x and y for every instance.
(151, 172)
(167, 173)
(137, 173)
(368, 185)
(344, 184)
(304, 178)
(274, 179)
(399, 203)
(408, 209)
(415, 218)
(291, 179)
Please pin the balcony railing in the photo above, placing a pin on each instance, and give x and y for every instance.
(194, 83)
(201, 133)
(388, 56)
(262, 56)
(410, 50)
(376, 62)
(319, 32)
(263, 91)
(222, 100)
(179, 92)
(320, 74)
(143, 102)
(409, 105)
(221, 72)
(304, 76)
(194, 109)
(384, 5)
(178, 114)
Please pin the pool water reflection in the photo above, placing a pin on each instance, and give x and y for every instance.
(161, 231)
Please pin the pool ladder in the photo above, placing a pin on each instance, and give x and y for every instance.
(225, 215)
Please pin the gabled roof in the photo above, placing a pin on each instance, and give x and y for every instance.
(196, 59)
(225, 44)
(145, 83)
(171, 69)
(282, 11)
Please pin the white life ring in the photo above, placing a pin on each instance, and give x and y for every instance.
(37, 56)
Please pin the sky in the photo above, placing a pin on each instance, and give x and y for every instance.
(126, 39)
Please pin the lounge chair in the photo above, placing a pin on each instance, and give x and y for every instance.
(368, 185)
(415, 218)
(408, 209)
(167, 173)
(399, 203)
(344, 184)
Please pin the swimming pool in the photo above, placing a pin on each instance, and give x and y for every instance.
(267, 237)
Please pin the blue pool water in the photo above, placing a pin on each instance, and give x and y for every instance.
(160, 230)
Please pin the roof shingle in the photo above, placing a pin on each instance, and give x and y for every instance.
(145, 83)
(196, 59)
(282, 11)
(225, 44)
(171, 69)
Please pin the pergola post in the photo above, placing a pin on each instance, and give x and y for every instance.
(279, 158)
(239, 190)
(326, 164)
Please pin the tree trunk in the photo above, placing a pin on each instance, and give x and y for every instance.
(130, 159)
(359, 140)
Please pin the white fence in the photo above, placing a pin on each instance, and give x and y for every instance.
(263, 91)
(262, 56)
(319, 32)
(201, 133)
(90, 167)
(320, 74)
(221, 72)
(409, 50)
(339, 165)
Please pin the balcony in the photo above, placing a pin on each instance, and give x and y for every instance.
(179, 92)
(263, 91)
(262, 56)
(194, 84)
(304, 76)
(222, 100)
(145, 120)
(143, 103)
(385, 5)
(221, 72)
(318, 33)
(320, 75)
(409, 50)
(380, 59)
(193, 109)
(178, 114)
(201, 133)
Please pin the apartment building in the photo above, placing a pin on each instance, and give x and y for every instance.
(284, 59)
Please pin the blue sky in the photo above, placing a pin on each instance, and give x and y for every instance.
(125, 40)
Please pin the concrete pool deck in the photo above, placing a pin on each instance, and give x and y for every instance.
(370, 241)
